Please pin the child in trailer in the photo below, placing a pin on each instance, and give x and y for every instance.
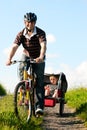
(51, 89)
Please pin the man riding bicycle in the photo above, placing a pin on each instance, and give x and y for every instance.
(33, 40)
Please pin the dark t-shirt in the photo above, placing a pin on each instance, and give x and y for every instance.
(32, 45)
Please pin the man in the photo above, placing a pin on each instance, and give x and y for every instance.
(33, 40)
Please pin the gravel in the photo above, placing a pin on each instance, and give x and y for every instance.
(52, 120)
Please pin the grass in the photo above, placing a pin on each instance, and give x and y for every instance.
(8, 120)
(77, 98)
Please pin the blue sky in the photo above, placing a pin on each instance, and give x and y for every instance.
(65, 24)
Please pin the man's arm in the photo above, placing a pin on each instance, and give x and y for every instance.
(11, 53)
(42, 52)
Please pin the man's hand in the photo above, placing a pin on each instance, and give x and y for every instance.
(39, 60)
(8, 62)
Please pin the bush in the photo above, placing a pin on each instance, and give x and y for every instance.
(2, 90)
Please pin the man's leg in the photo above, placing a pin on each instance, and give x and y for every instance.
(21, 66)
(39, 70)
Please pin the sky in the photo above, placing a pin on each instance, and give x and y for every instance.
(65, 24)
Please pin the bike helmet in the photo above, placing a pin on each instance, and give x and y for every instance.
(30, 17)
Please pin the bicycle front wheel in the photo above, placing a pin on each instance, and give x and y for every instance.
(22, 102)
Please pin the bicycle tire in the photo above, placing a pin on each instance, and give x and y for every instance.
(61, 107)
(22, 111)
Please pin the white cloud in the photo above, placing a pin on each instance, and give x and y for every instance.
(51, 38)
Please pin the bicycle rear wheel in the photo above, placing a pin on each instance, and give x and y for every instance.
(22, 102)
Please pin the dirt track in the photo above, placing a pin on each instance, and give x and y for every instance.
(52, 121)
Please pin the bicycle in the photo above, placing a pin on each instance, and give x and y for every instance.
(24, 93)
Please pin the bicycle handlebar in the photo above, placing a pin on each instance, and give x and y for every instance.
(23, 61)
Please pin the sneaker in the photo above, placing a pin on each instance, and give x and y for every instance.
(39, 111)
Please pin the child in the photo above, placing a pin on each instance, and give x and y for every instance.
(53, 80)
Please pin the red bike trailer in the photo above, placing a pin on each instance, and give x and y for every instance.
(62, 88)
